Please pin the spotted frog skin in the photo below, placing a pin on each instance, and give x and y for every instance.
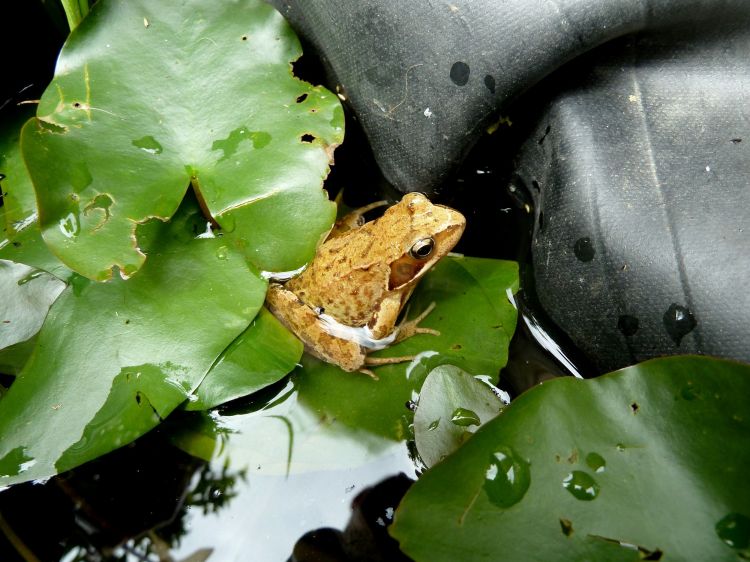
(347, 301)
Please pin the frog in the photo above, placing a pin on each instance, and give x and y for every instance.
(346, 303)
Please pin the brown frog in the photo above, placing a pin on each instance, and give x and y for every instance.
(347, 301)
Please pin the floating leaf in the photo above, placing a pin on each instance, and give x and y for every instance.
(452, 405)
(260, 356)
(21, 241)
(27, 294)
(114, 359)
(203, 95)
(476, 342)
(644, 463)
(19, 203)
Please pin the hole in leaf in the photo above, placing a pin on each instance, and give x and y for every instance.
(309, 69)
(301, 98)
(77, 104)
(634, 406)
(138, 398)
(244, 37)
(307, 137)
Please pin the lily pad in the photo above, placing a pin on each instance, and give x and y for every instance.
(150, 98)
(645, 463)
(27, 294)
(19, 203)
(21, 241)
(260, 356)
(477, 342)
(452, 406)
(112, 360)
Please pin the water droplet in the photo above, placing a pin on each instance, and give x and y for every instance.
(581, 485)
(30, 277)
(628, 325)
(678, 321)
(460, 73)
(464, 417)
(596, 462)
(69, 226)
(489, 82)
(584, 249)
(507, 478)
(734, 530)
(222, 252)
(149, 144)
(434, 425)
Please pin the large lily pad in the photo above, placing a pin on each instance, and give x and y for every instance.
(477, 342)
(112, 360)
(151, 97)
(648, 462)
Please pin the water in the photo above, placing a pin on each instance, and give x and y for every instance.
(507, 478)
(581, 485)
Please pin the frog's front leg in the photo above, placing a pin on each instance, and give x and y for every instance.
(304, 323)
(384, 320)
(406, 329)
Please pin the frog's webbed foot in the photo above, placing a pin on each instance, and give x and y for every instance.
(353, 220)
(409, 328)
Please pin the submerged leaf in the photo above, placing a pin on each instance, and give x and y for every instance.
(638, 464)
(114, 359)
(203, 95)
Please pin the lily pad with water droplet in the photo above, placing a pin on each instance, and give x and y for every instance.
(446, 390)
(675, 484)
(203, 96)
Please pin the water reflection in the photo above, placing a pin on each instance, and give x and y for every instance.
(276, 471)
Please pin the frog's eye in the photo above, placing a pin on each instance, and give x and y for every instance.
(422, 249)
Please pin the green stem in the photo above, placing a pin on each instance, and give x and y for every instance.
(75, 11)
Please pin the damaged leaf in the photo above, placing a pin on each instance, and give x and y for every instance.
(112, 360)
(202, 96)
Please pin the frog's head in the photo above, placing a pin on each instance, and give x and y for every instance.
(426, 233)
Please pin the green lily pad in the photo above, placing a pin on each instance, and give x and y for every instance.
(21, 241)
(260, 356)
(452, 406)
(19, 203)
(477, 342)
(27, 294)
(150, 98)
(649, 462)
(112, 360)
